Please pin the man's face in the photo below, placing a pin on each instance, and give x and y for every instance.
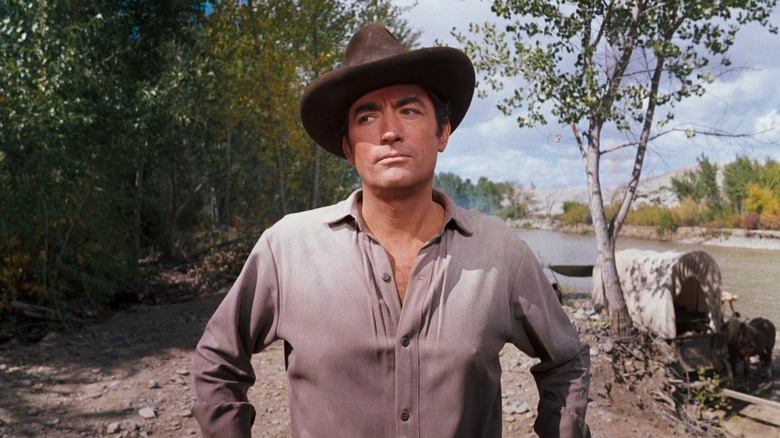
(392, 141)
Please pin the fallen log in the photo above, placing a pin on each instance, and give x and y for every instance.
(46, 314)
(750, 398)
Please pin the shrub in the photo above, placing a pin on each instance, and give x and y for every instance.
(689, 213)
(16, 280)
(750, 221)
(667, 223)
(770, 221)
(575, 213)
(646, 215)
(734, 220)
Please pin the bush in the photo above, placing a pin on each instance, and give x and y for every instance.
(575, 213)
(689, 213)
(734, 220)
(647, 215)
(770, 221)
(16, 280)
(750, 221)
(667, 223)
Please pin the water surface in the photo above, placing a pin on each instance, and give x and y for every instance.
(753, 274)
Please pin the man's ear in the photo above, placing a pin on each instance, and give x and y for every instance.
(444, 138)
(347, 149)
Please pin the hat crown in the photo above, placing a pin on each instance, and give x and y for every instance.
(371, 43)
(374, 59)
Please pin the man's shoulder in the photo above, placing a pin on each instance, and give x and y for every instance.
(479, 223)
(490, 228)
(315, 219)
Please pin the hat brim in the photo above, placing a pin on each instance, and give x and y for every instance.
(444, 71)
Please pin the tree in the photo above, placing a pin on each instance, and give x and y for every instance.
(593, 65)
(700, 185)
(736, 177)
(92, 121)
(327, 26)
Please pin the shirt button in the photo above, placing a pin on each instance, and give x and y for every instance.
(405, 415)
(386, 277)
(405, 341)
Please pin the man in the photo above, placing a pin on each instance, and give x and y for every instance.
(393, 304)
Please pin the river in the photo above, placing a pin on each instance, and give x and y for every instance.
(752, 274)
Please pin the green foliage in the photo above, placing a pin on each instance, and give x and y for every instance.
(556, 48)
(736, 177)
(502, 199)
(646, 215)
(649, 215)
(128, 128)
(593, 64)
(744, 178)
(667, 222)
(575, 213)
(708, 391)
(701, 185)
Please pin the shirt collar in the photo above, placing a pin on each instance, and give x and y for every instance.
(347, 209)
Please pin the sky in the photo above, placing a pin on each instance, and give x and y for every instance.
(487, 143)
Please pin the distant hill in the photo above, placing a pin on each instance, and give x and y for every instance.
(656, 190)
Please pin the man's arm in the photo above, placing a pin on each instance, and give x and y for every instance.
(244, 324)
(542, 329)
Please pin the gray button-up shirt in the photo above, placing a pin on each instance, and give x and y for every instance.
(359, 363)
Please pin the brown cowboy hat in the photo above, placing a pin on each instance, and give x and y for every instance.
(375, 59)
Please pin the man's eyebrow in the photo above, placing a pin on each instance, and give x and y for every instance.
(364, 107)
(373, 106)
(406, 100)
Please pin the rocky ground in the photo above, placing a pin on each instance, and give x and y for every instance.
(130, 376)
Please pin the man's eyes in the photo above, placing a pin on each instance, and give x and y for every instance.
(407, 111)
(364, 118)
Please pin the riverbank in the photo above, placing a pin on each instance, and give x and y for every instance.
(722, 237)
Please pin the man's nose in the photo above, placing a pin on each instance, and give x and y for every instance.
(391, 132)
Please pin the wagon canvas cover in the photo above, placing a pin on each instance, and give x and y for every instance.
(666, 292)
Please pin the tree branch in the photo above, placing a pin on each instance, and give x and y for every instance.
(578, 137)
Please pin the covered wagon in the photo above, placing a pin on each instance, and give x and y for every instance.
(676, 295)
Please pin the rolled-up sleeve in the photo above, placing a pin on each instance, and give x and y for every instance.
(244, 324)
(543, 330)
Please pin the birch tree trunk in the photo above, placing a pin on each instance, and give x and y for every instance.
(606, 234)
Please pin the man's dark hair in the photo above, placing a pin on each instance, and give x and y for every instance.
(441, 111)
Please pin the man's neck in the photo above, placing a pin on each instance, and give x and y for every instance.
(416, 216)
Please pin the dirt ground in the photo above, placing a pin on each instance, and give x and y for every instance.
(130, 376)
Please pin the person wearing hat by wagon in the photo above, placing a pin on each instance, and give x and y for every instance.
(394, 304)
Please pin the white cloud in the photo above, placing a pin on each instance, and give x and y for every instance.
(768, 126)
(489, 144)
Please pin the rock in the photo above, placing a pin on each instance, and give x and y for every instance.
(183, 372)
(49, 339)
(519, 407)
(113, 428)
(153, 384)
(147, 412)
